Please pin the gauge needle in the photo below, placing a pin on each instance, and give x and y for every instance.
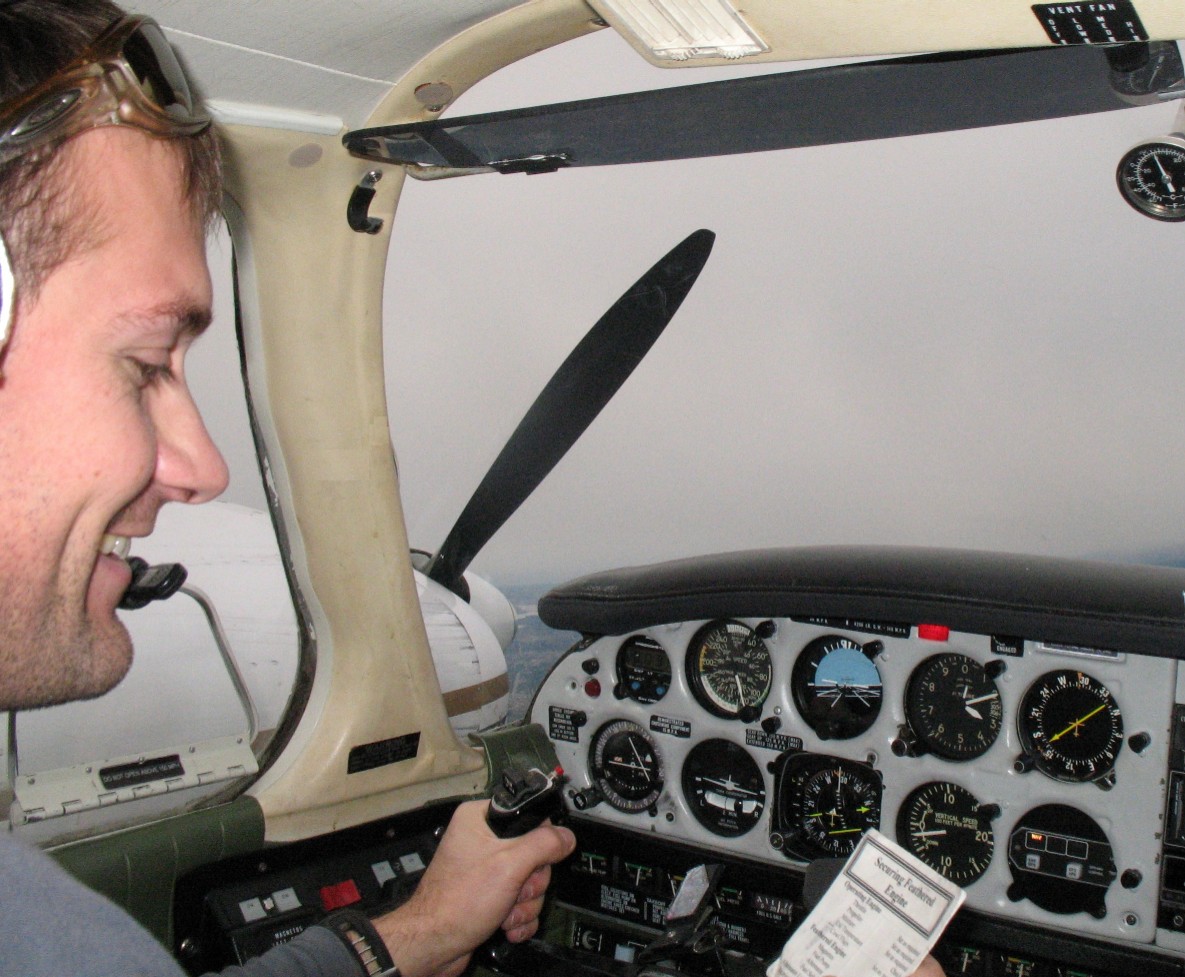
(1168, 180)
(983, 698)
(740, 691)
(637, 755)
(928, 834)
(1073, 727)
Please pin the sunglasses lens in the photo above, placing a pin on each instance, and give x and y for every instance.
(155, 64)
(44, 115)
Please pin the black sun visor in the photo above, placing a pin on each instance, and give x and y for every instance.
(814, 107)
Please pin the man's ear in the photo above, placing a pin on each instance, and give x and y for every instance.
(7, 295)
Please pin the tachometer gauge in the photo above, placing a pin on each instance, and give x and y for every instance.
(1070, 726)
(1061, 861)
(730, 670)
(836, 686)
(822, 805)
(945, 826)
(626, 766)
(953, 707)
(1151, 177)
(724, 787)
(643, 670)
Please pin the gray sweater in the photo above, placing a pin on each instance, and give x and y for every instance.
(53, 926)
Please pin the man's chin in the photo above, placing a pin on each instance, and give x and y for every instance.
(83, 668)
(110, 659)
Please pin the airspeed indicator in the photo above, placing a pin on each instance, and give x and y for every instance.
(730, 670)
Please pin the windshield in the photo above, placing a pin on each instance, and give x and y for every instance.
(965, 339)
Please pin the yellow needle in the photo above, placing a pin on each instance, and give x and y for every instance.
(1077, 722)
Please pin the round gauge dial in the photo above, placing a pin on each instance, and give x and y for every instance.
(945, 826)
(823, 805)
(643, 670)
(626, 766)
(1071, 726)
(836, 686)
(724, 787)
(730, 670)
(1060, 860)
(953, 706)
(1151, 177)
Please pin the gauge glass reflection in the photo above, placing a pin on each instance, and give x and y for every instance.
(724, 787)
(730, 670)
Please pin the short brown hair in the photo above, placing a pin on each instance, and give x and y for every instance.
(41, 218)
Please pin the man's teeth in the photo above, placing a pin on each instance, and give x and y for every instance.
(115, 546)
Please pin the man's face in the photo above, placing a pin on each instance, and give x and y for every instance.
(97, 427)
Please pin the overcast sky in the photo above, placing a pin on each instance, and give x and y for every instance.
(963, 340)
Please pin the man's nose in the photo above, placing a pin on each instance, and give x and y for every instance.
(189, 467)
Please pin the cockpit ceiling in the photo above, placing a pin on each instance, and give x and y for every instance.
(812, 29)
(320, 57)
(338, 60)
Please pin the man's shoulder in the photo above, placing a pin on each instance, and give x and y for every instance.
(53, 924)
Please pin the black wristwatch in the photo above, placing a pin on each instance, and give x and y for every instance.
(357, 932)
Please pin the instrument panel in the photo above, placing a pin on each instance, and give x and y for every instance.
(1033, 774)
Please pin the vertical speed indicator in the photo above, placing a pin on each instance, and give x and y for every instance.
(945, 826)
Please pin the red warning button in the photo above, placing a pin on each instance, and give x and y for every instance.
(340, 895)
(933, 632)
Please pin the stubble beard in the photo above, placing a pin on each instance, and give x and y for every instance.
(52, 652)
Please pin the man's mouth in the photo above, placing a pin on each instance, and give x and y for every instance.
(112, 545)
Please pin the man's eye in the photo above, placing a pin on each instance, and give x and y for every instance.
(151, 373)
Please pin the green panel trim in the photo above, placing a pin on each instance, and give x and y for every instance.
(520, 745)
(138, 869)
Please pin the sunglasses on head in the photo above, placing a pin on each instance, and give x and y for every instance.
(129, 76)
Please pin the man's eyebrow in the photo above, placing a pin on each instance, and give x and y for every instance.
(194, 320)
(184, 319)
